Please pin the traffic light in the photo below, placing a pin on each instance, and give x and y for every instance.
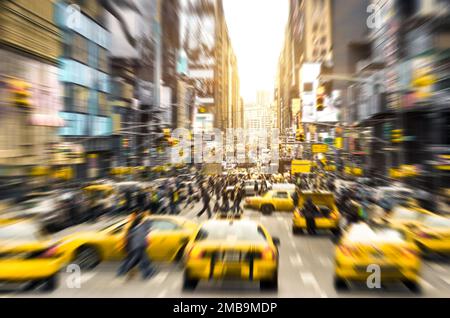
(21, 92)
(320, 103)
(320, 99)
(125, 142)
(397, 136)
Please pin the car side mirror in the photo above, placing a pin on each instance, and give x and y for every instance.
(276, 241)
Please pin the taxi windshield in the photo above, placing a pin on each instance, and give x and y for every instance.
(404, 214)
(437, 222)
(19, 232)
(363, 233)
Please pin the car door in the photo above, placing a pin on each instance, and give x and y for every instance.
(282, 201)
(166, 238)
(112, 242)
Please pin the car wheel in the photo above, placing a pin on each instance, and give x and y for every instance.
(413, 286)
(340, 284)
(267, 209)
(269, 285)
(179, 256)
(189, 284)
(87, 257)
(50, 284)
(297, 231)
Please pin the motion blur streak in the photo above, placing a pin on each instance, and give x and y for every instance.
(224, 148)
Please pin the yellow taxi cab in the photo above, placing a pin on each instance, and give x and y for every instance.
(404, 217)
(330, 168)
(271, 201)
(167, 240)
(432, 235)
(103, 195)
(28, 257)
(232, 250)
(353, 171)
(329, 216)
(366, 250)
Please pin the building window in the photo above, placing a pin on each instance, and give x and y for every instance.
(79, 49)
(93, 55)
(103, 106)
(80, 99)
(103, 60)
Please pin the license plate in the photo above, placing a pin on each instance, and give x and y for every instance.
(378, 255)
(232, 257)
(389, 270)
(233, 272)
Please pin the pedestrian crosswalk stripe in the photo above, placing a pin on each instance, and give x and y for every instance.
(426, 285)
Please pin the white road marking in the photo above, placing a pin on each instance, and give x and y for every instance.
(292, 243)
(326, 262)
(160, 277)
(162, 294)
(280, 218)
(445, 279)
(438, 268)
(426, 285)
(310, 280)
(87, 277)
(296, 260)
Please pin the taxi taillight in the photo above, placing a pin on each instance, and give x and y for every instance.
(196, 254)
(409, 252)
(347, 250)
(426, 235)
(47, 253)
(268, 254)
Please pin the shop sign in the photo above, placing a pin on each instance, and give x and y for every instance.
(319, 148)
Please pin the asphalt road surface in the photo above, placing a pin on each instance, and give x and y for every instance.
(306, 270)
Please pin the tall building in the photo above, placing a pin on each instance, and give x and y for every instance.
(212, 64)
(85, 75)
(30, 94)
(263, 98)
(131, 58)
(408, 95)
(308, 40)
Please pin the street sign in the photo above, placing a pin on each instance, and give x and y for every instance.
(319, 148)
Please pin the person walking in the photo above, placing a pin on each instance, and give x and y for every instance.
(135, 246)
(295, 198)
(206, 199)
(190, 200)
(174, 200)
(237, 199)
(255, 188)
(309, 211)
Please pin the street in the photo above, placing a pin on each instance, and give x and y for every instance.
(306, 270)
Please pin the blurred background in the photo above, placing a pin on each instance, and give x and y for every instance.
(91, 91)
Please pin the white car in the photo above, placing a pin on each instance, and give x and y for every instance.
(289, 187)
(249, 187)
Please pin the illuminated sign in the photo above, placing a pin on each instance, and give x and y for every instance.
(319, 148)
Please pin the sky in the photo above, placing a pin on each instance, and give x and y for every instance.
(256, 29)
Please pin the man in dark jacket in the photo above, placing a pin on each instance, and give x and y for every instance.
(136, 246)
(190, 195)
(206, 199)
(295, 199)
(239, 194)
(309, 212)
